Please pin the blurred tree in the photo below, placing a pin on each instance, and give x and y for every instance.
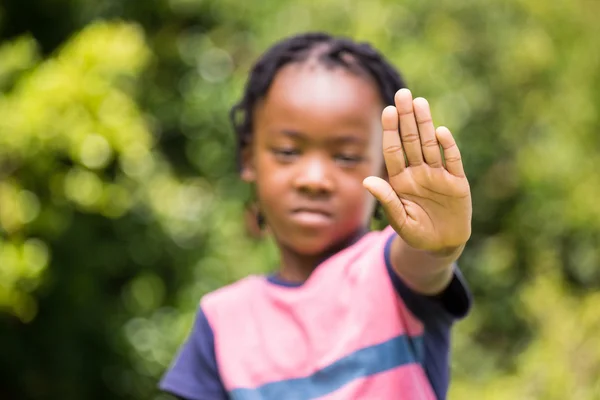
(95, 227)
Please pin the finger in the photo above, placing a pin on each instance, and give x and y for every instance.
(392, 145)
(429, 144)
(389, 200)
(452, 156)
(409, 132)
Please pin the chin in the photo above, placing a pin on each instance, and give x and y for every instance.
(309, 245)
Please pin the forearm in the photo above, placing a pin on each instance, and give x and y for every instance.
(425, 272)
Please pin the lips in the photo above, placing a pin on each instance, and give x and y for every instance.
(313, 210)
(312, 216)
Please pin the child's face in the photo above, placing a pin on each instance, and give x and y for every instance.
(317, 135)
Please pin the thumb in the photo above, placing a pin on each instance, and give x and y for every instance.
(388, 198)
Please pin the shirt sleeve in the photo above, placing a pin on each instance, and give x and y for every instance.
(451, 304)
(194, 374)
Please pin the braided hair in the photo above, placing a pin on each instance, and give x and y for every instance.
(328, 50)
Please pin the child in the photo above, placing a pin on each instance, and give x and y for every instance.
(350, 314)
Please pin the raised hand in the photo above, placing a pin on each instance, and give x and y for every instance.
(427, 198)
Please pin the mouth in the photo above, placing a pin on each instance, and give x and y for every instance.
(312, 217)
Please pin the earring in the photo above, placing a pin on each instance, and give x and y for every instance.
(254, 220)
(260, 218)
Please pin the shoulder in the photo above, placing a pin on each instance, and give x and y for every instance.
(194, 373)
(234, 292)
(229, 299)
(369, 247)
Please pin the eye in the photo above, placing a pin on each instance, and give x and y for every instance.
(285, 154)
(348, 160)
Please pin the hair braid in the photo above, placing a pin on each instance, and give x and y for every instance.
(332, 51)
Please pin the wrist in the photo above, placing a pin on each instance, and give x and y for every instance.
(425, 271)
(448, 252)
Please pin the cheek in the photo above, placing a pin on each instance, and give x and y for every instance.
(377, 164)
(355, 197)
(271, 179)
(358, 202)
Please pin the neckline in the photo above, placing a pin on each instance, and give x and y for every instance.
(276, 280)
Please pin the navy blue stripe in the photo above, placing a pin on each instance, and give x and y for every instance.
(364, 362)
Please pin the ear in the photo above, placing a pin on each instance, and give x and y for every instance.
(248, 172)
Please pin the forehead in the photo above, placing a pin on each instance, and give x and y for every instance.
(317, 100)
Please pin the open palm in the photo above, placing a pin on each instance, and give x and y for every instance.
(427, 198)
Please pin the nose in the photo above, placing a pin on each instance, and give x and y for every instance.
(314, 176)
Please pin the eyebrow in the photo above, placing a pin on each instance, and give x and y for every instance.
(338, 139)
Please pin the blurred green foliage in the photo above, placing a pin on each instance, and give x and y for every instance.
(120, 204)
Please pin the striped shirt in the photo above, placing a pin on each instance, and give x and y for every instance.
(353, 330)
